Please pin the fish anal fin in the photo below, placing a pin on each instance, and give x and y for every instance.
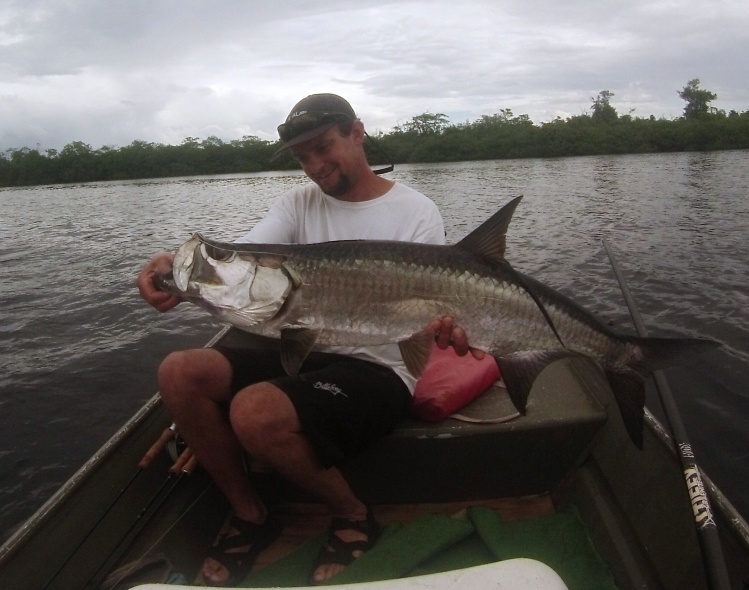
(520, 369)
(296, 344)
(416, 350)
(629, 393)
(489, 239)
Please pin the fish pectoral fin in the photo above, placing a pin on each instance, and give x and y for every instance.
(520, 369)
(296, 344)
(629, 393)
(416, 350)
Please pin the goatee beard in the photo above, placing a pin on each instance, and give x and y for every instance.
(341, 187)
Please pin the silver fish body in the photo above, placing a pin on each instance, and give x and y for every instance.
(362, 293)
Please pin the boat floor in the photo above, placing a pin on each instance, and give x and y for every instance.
(305, 522)
(422, 539)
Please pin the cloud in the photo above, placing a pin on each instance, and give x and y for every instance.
(108, 74)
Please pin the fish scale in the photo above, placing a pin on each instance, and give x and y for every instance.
(405, 297)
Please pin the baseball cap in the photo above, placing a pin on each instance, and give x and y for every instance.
(313, 116)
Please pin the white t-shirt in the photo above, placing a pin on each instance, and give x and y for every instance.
(306, 215)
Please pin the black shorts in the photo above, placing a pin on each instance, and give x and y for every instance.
(343, 403)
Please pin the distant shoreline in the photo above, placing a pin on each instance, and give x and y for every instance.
(427, 138)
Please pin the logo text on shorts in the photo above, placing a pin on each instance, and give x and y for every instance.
(332, 388)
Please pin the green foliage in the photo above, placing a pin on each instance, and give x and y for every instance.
(424, 138)
(697, 99)
(422, 125)
(78, 162)
(603, 112)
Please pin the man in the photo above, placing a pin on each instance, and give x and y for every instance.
(343, 399)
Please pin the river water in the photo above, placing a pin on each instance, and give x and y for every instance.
(79, 349)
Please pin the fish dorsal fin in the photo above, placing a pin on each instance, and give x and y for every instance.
(296, 344)
(489, 239)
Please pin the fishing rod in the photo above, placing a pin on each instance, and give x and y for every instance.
(707, 531)
(177, 520)
(183, 467)
(158, 446)
(91, 530)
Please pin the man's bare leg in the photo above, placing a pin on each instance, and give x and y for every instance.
(195, 388)
(266, 423)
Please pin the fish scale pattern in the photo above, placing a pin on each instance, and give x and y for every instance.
(374, 293)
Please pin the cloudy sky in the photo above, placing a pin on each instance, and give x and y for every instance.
(108, 73)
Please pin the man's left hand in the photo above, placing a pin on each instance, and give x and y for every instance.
(446, 333)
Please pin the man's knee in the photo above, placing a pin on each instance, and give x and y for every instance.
(260, 413)
(187, 373)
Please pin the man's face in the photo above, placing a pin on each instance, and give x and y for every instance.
(329, 161)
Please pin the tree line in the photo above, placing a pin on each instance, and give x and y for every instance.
(429, 137)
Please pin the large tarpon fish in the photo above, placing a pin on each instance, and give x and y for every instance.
(362, 293)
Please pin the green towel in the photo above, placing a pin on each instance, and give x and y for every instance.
(432, 544)
(295, 568)
(405, 549)
(398, 551)
(469, 552)
(559, 540)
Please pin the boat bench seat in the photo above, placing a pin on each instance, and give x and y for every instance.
(455, 460)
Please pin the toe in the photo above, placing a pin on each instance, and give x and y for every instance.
(213, 573)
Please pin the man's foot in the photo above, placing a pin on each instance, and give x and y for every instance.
(233, 554)
(347, 540)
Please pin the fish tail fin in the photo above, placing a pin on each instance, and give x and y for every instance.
(653, 354)
(661, 353)
(629, 393)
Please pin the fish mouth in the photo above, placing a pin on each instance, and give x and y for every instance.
(165, 283)
(184, 262)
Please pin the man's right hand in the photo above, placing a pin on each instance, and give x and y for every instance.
(161, 264)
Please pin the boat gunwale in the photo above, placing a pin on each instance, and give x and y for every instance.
(46, 510)
(722, 506)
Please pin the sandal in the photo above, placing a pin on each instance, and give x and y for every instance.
(249, 534)
(340, 552)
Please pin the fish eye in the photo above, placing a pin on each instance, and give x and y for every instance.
(218, 254)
